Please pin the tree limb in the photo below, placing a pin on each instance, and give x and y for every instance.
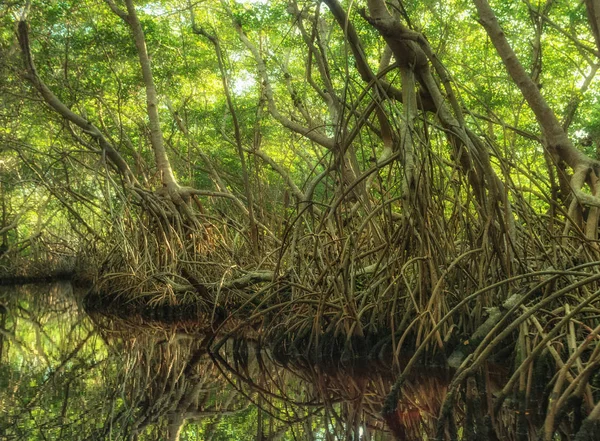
(58, 106)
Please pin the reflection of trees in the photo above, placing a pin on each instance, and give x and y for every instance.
(50, 357)
(173, 384)
(139, 379)
(64, 377)
(306, 400)
(167, 379)
(61, 378)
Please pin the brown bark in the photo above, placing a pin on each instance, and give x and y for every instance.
(412, 52)
(556, 138)
(156, 136)
(593, 12)
(585, 169)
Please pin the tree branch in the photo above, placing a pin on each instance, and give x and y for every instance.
(558, 141)
(59, 107)
(156, 136)
(309, 132)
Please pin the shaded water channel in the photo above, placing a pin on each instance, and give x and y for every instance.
(67, 373)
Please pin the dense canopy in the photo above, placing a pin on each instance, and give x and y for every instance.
(417, 175)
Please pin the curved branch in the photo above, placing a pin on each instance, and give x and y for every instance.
(59, 107)
(558, 141)
(308, 132)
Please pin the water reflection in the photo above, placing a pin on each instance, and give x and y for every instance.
(52, 365)
(65, 374)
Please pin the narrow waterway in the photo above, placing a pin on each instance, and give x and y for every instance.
(73, 375)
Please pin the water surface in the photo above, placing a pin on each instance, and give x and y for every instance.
(66, 374)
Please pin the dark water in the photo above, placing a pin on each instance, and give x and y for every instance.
(66, 374)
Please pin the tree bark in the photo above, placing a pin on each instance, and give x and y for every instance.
(558, 142)
(156, 136)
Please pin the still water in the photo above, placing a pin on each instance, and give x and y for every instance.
(66, 374)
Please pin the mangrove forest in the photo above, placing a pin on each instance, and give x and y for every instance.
(311, 220)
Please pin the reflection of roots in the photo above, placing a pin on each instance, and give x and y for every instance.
(330, 350)
(114, 314)
(417, 411)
